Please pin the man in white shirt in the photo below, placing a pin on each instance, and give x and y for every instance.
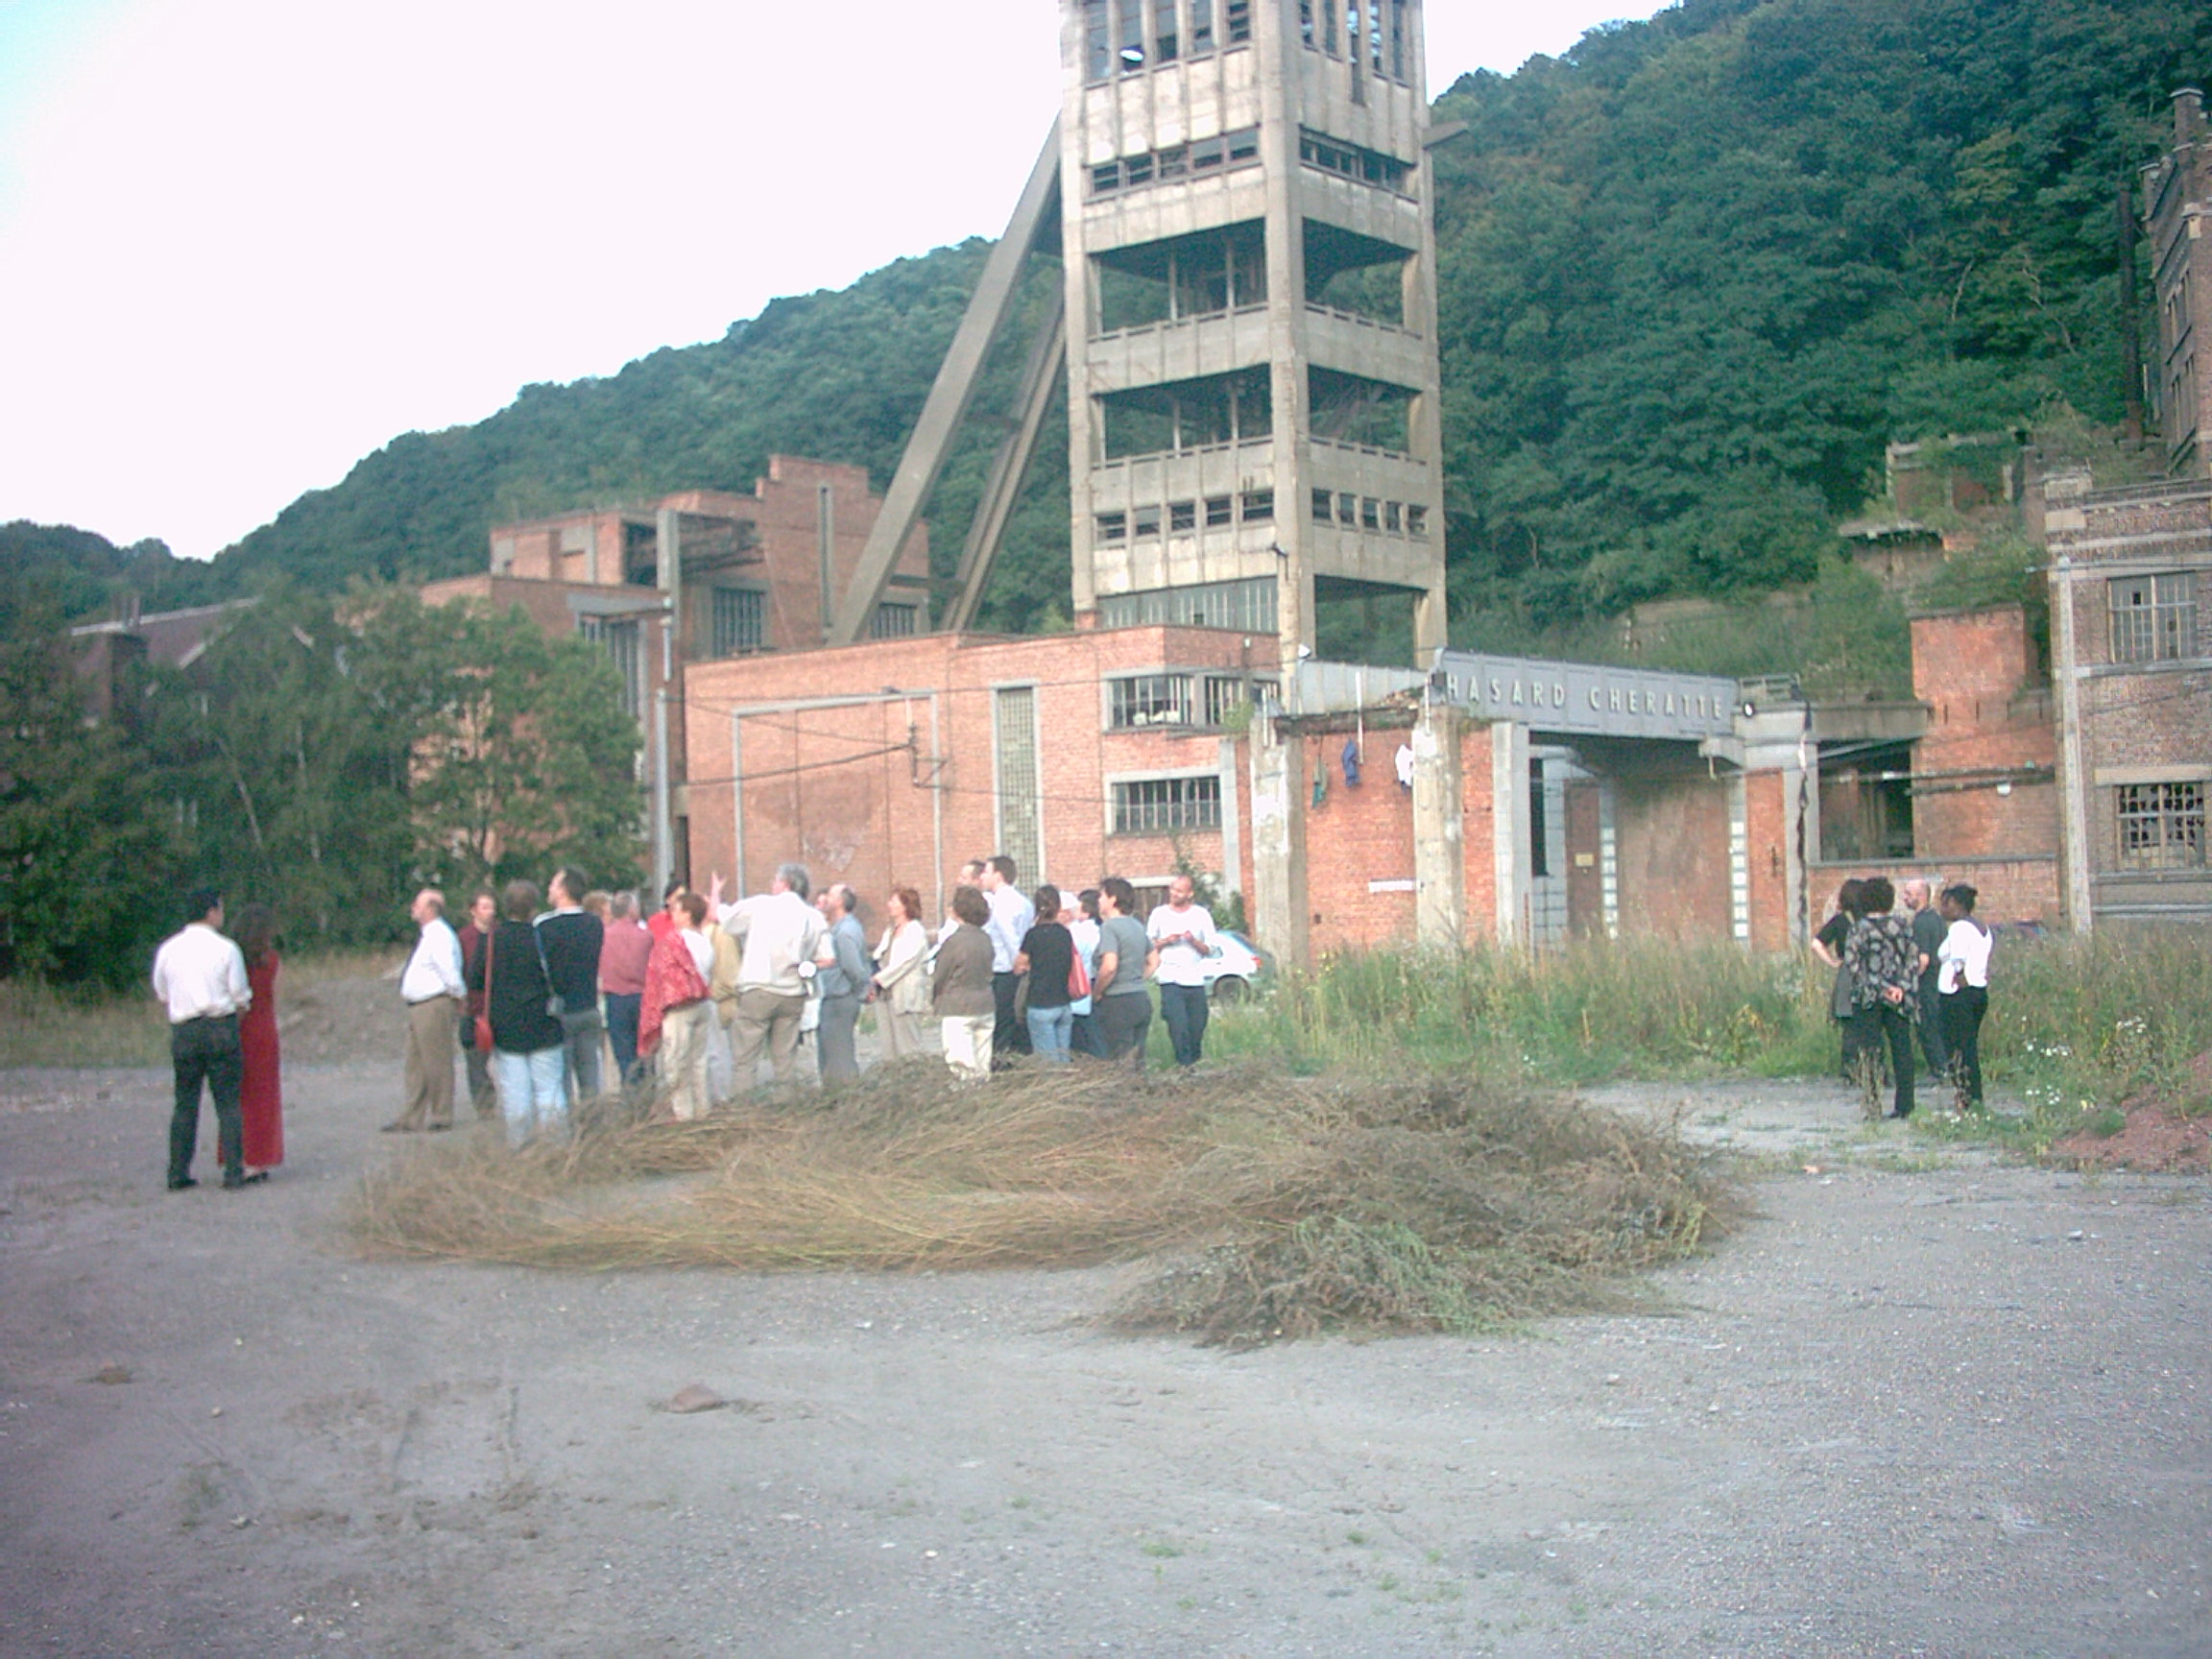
(1182, 936)
(779, 934)
(200, 977)
(1012, 916)
(435, 993)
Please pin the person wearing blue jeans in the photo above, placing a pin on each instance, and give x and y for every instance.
(1048, 956)
(1182, 936)
(529, 1056)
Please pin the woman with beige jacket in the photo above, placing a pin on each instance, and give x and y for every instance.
(900, 987)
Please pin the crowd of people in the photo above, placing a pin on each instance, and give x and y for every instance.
(541, 1000)
(1909, 961)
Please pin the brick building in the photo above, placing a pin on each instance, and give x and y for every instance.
(2132, 657)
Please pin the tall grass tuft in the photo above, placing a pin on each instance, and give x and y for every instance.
(1286, 1206)
(42, 1026)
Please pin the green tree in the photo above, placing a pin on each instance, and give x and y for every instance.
(85, 854)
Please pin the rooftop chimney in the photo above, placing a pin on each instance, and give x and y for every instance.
(2188, 115)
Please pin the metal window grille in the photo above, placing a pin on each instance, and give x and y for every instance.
(1013, 726)
(620, 639)
(1154, 805)
(740, 621)
(2162, 824)
(1247, 606)
(1225, 694)
(893, 621)
(1150, 700)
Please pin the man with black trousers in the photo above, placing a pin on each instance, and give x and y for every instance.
(1012, 916)
(201, 976)
(568, 938)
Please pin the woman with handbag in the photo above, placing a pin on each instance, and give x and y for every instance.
(1885, 964)
(677, 1010)
(528, 1056)
(900, 987)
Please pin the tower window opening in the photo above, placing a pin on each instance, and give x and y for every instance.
(1185, 416)
(1098, 41)
(1201, 276)
(1219, 510)
(1182, 516)
(1363, 276)
(1260, 509)
(1352, 162)
(1201, 26)
(1360, 413)
(1130, 54)
(1237, 18)
(1164, 38)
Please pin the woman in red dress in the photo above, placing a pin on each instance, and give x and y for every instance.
(261, 1097)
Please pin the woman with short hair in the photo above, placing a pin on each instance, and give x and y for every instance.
(677, 1009)
(900, 986)
(960, 989)
(1961, 986)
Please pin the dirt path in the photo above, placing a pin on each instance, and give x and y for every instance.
(1929, 1406)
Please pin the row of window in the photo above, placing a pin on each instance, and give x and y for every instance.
(2162, 826)
(1136, 701)
(1128, 36)
(2155, 617)
(1350, 512)
(1353, 161)
(737, 624)
(1246, 607)
(1201, 156)
(1371, 31)
(1252, 507)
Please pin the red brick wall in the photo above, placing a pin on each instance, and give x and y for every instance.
(1764, 812)
(1354, 838)
(1672, 835)
(1988, 714)
(2007, 889)
(819, 788)
(1479, 835)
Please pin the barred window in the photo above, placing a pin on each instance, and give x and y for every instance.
(1140, 699)
(2162, 824)
(1152, 804)
(740, 624)
(621, 642)
(893, 621)
(2154, 618)
(1225, 694)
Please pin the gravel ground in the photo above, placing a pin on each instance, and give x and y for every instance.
(1923, 1405)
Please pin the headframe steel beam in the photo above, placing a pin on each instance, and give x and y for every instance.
(988, 309)
(1040, 385)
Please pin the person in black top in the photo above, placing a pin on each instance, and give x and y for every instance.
(1047, 955)
(526, 1040)
(1828, 946)
(570, 936)
(1928, 930)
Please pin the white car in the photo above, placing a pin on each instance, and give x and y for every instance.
(1231, 970)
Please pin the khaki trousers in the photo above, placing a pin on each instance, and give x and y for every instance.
(684, 1058)
(901, 1033)
(432, 1040)
(765, 1018)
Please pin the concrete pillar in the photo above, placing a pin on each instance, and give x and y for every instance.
(1278, 909)
(1509, 830)
(1439, 856)
(2073, 778)
(1739, 859)
(1232, 819)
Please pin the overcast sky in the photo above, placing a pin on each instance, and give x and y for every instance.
(245, 242)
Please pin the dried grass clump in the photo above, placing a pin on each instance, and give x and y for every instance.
(1283, 1206)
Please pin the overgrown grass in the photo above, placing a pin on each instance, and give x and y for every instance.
(46, 1026)
(2076, 1025)
(1284, 1206)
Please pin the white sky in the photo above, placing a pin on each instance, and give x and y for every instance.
(245, 242)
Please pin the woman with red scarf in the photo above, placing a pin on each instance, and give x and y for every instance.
(676, 1014)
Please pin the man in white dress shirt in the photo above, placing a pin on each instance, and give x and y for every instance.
(435, 993)
(1182, 937)
(201, 977)
(1012, 916)
(780, 935)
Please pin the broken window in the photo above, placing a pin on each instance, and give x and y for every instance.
(1237, 17)
(1247, 607)
(1201, 26)
(1164, 41)
(2162, 824)
(1362, 274)
(1146, 521)
(1183, 415)
(1370, 512)
(1112, 527)
(1416, 519)
(1153, 805)
(1348, 510)
(1106, 178)
(1360, 413)
(1219, 510)
(1398, 39)
(1351, 161)
(1237, 148)
(1185, 277)
(1182, 516)
(1260, 509)
(1391, 521)
(1225, 694)
(1306, 22)
(1324, 507)
(1140, 699)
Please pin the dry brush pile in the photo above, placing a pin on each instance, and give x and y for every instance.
(1272, 1206)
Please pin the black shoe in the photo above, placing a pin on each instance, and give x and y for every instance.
(178, 1183)
(232, 1183)
(436, 1128)
(254, 1180)
(397, 1127)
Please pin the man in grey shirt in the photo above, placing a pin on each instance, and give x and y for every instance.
(842, 974)
(1928, 930)
(1122, 1004)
